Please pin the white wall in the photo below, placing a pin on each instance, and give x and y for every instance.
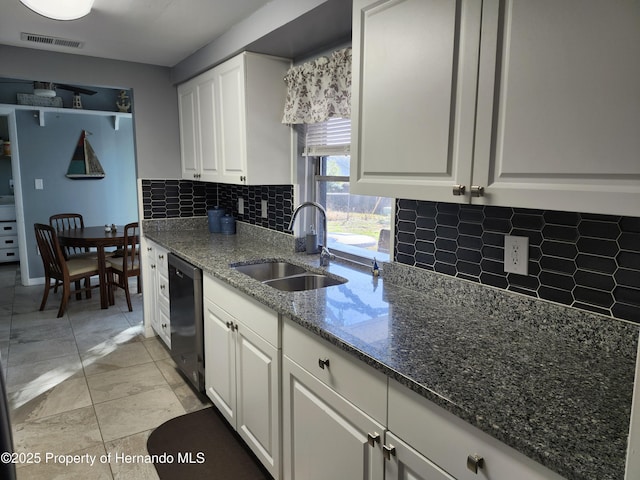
(157, 139)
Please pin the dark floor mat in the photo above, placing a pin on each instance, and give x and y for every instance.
(202, 445)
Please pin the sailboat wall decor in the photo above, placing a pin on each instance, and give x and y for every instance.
(84, 163)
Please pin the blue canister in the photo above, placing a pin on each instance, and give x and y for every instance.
(215, 214)
(228, 225)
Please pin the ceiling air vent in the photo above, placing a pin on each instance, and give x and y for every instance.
(47, 40)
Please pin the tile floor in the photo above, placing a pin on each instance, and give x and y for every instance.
(86, 383)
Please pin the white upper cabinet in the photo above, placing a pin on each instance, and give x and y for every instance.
(196, 101)
(230, 123)
(526, 104)
(413, 102)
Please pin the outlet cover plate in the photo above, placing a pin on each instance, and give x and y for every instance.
(516, 254)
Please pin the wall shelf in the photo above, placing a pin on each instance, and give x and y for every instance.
(42, 111)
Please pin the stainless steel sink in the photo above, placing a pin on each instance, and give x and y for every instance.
(308, 281)
(286, 276)
(270, 270)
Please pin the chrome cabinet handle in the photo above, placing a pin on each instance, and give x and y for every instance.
(474, 462)
(459, 190)
(323, 363)
(388, 451)
(373, 438)
(477, 191)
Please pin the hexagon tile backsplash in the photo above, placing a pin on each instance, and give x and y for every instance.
(587, 261)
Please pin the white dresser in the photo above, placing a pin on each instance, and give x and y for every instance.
(8, 233)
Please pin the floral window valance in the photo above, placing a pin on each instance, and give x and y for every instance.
(319, 90)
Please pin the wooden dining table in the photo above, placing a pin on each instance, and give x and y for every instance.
(95, 237)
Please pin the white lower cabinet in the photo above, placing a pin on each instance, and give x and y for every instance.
(155, 270)
(242, 377)
(334, 411)
(406, 463)
(326, 436)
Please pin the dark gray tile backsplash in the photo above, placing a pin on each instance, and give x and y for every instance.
(188, 198)
(591, 262)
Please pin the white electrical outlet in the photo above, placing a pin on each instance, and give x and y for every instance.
(263, 208)
(516, 254)
(240, 206)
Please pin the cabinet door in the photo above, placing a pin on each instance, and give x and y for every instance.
(413, 102)
(558, 105)
(209, 169)
(150, 287)
(258, 388)
(189, 130)
(325, 436)
(220, 354)
(407, 464)
(231, 120)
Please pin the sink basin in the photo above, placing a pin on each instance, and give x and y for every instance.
(308, 281)
(286, 276)
(270, 270)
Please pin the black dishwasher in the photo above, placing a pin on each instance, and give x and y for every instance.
(187, 336)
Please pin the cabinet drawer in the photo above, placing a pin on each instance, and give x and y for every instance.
(164, 324)
(447, 440)
(9, 255)
(9, 241)
(345, 374)
(163, 287)
(161, 259)
(252, 313)
(8, 228)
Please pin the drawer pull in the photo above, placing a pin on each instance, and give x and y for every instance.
(373, 438)
(323, 363)
(161, 257)
(477, 191)
(459, 190)
(163, 286)
(388, 451)
(474, 462)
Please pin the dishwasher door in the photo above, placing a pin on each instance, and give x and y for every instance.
(187, 337)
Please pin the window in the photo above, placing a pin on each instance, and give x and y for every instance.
(357, 225)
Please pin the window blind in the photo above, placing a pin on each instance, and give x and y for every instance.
(332, 137)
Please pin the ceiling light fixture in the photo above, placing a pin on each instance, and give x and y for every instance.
(60, 9)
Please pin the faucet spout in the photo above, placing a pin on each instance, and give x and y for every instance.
(325, 254)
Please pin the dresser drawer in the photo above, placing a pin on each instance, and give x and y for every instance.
(448, 441)
(9, 255)
(8, 229)
(345, 374)
(9, 241)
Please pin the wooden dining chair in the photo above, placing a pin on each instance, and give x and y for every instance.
(63, 271)
(69, 221)
(126, 266)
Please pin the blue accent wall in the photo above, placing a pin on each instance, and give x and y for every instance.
(45, 152)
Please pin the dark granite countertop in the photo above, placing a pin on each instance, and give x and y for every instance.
(553, 382)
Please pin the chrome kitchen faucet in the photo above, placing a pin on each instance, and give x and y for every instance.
(325, 254)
